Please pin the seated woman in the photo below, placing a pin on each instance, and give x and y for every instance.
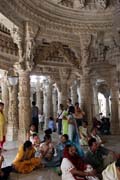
(73, 167)
(50, 158)
(4, 172)
(47, 148)
(30, 133)
(84, 135)
(25, 160)
(112, 171)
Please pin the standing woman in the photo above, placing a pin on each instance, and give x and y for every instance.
(2, 125)
(79, 115)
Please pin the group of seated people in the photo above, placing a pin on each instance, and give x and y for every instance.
(35, 153)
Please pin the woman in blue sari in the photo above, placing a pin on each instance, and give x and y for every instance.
(73, 132)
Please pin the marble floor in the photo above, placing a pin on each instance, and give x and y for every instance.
(112, 142)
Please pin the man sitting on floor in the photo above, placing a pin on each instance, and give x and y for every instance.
(97, 158)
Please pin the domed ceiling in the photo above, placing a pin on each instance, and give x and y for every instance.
(86, 4)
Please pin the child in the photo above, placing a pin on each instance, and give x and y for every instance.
(31, 131)
(51, 124)
(36, 144)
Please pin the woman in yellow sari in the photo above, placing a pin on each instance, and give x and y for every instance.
(2, 125)
(25, 160)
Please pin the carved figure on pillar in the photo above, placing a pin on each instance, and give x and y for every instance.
(102, 3)
(85, 41)
(79, 3)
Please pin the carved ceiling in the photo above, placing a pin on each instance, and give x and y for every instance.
(48, 13)
(84, 4)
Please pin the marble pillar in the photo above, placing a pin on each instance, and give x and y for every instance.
(95, 101)
(47, 102)
(5, 94)
(59, 98)
(74, 96)
(54, 102)
(115, 123)
(13, 124)
(24, 104)
(107, 106)
(64, 93)
(39, 99)
(86, 95)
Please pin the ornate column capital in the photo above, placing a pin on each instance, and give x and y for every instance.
(25, 39)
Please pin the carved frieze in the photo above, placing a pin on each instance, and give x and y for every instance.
(84, 3)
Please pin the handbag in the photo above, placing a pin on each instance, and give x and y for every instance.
(57, 119)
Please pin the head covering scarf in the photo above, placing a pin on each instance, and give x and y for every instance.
(76, 160)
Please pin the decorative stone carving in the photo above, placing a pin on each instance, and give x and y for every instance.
(12, 129)
(55, 52)
(26, 42)
(85, 41)
(82, 3)
(24, 104)
(68, 3)
(102, 3)
(5, 94)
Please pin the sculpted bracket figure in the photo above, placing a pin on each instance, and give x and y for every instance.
(102, 3)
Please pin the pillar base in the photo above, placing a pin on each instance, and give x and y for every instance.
(115, 131)
(12, 133)
(22, 136)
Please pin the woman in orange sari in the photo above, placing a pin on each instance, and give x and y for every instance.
(25, 160)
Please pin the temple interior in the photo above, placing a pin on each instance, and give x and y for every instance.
(52, 50)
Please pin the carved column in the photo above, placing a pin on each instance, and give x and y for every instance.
(47, 101)
(54, 100)
(39, 96)
(59, 97)
(5, 94)
(74, 96)
(95, 101)
(24, 104)
(12, 128)
(78, 92)
(85, 91)
(107, 106)
(25, 38)
(115, 122)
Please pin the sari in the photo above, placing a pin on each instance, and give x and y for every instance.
(25, 161)
(2, 129)
(75, 136)
(70, 162)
